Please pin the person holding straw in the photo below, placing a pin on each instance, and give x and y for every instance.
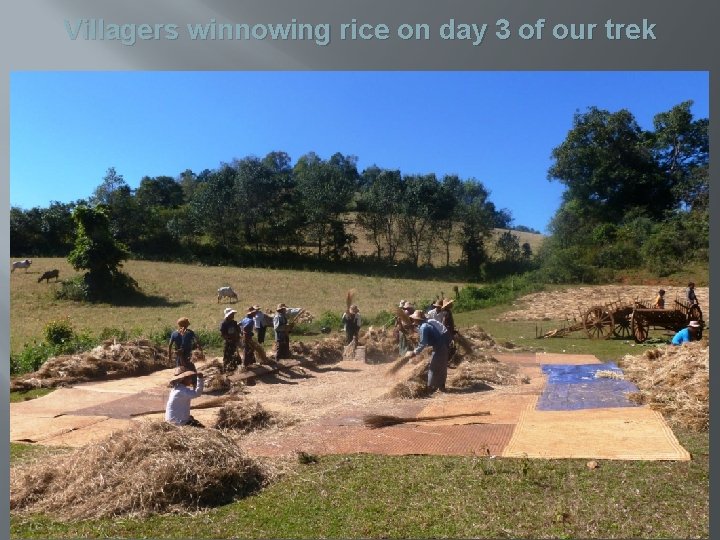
(431, 335)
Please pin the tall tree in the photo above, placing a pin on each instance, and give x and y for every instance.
(380, 204)
(419, 210)
(478, 220)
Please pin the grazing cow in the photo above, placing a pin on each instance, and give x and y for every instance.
(49, 274)
(25, 263)
(226, 292)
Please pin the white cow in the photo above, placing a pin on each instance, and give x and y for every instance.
(226, 292)
(25, 263)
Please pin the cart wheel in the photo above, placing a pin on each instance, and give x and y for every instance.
(622, 327)
(598, 323)
(640, 327)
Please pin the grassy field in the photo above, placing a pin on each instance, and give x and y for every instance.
(371, 496)
(176, 290)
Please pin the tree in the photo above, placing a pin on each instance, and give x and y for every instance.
(608, 167)
(446, 213)
(325, 190)
(161, 191)
(379, 209)
(508, 247)
(478, 217)
(112, 181)
(419, 209)
(99, 253)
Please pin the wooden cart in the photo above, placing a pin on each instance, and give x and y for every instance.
(644, 319)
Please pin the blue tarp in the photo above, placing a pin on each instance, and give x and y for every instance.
(572, 387)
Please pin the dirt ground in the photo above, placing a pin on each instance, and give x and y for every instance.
(567, 304)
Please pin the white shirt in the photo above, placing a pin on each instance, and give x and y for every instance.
(177, 410)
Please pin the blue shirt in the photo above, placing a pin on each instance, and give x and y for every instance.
(184, 341)
(247, 325)
(683, 336)
(429, 336)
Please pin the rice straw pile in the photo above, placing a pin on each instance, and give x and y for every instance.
(478, 372)
(244, 415)
(110, 360)
(675, 381)
(152, 468)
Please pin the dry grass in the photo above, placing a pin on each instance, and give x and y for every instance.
(244, 415)
(152, 468)
(191, 290)
(675, 381)
(107, 361)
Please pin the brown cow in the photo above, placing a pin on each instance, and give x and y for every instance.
(49, 274)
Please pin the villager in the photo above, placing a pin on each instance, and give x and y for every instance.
(247, 325)
(260, 325)
(183, 340)
(660, 300)
(230, 331)
(282, 333)
(691, 333)
(692, 299)
(351, 323)
(446, 317)
(177, 410)
(431, 335)
(403, 329)
(435, 310)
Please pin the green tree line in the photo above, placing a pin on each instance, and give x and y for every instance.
(269, 211)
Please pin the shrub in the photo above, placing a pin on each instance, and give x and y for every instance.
(73, 289)
(58, 332)
(330, 319)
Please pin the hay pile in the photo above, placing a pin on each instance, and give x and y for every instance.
(479, 372)
(326, 351)
(675, 381)
(107, 361)
(152, 468)
(244, 415)
(415, 386)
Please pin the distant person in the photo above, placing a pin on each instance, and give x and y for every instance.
(282, 333)
(431, 335)
(260, 325)
(660, 300)
(351, 323)
(692, 298)
(691, 333)
(183, 340)
(403, 329)
(230, 332)
(177, 410)
(247, 325)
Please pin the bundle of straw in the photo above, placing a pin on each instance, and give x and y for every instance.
(259, 350)
(376, 421)
(463, 342)
(349, 298)
(398, 365)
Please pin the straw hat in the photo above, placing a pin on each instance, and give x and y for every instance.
(183, 322)
(407, 305)
(447, 303)
(250, 311)
(180, 374)
(281, 307)
(401, 304)
(418, 315)
(694, 324)
(437, 303)
(354, 309)
(229, 311)
(256, 307)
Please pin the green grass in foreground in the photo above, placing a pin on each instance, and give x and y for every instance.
(16, 397)
(370, 496)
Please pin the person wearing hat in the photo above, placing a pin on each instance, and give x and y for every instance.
(351, 323)
(435, 310)
(282, 333)
(660, 300)
(402, 329)
(432, 333)
(260, 326)
(691, 333)
(247, 325)
(183, 340)
(177, 410)
(230, 332)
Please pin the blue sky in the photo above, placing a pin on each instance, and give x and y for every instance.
(68, 128)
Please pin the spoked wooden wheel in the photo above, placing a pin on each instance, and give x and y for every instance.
(598, 323)
(622, 327)
(694, 313)
(640, 328)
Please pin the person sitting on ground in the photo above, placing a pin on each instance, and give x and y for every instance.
(691, 333)
(660, 300)
(183, 339)
(177, 410)
(431, 334)
(230, 332)
(247, 325)
(351, 323)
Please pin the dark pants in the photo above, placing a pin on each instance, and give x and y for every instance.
(437, 369)
(282, 343)
(261, 334)
(230, 356)
(249, 353)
